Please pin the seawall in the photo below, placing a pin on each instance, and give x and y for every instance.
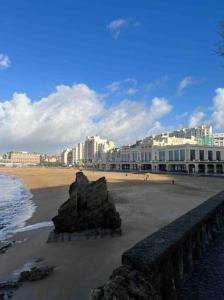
(156, 267)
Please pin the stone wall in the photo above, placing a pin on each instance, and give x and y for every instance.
(167, 257)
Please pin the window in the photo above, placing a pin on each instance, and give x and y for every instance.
(176, 155)
(202, 155)
(182, 155)
(192, 155)
(161, 155)
(218, 155)
(147, 156)
(210, 155)
(170, 155)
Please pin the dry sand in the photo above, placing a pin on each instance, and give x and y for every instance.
(145, 206)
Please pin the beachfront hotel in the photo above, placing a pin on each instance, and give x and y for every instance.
(188, 150)
(23, 157)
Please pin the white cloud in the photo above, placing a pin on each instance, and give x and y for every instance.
(124, 87)
(182, 115)
(218, 109)
(196, 118)
(132, 120)
(4, 61)
(118, 25)
(184, 83)
(156, 83)
(68, 115)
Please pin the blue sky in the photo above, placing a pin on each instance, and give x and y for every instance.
(131, 51)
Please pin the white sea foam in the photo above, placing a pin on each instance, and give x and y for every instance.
(35, 226)
(16, 205)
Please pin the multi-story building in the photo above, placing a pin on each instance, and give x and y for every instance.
(218, 139)
(24, 157)
(175, 155)
(64, 156)
(46, 158)
(91, 152)
(201, 131)
(95, 149)
(78, 154)
(193, 150)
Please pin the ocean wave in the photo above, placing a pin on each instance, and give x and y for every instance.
(16, 205)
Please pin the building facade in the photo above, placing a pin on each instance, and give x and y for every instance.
(24, 157)
(95, 148)
(200, 131)
(191, 150)
(64, 156)
(176, 157)
(218, 139)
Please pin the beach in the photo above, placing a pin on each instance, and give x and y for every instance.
(144, 206)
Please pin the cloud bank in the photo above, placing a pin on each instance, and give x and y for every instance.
(69, 114)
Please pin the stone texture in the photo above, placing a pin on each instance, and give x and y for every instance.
(4, 246)
(83, 235)
(89, 206)
(35, 273)
(7, 289)
(126, 284)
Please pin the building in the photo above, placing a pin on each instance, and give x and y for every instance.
(95, 149)
(64, 156)
(175, 155)
(201, 131)
(46, 158)
(189, 150)
(89, 153)
(23, 157)
(78, 154)
(218, 139)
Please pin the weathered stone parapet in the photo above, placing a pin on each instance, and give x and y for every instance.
(167, 257)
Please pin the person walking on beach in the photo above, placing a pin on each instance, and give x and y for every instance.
(146, 177)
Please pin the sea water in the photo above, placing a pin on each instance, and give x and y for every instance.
(16, 205)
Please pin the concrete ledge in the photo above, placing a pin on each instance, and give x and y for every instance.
(168, 256)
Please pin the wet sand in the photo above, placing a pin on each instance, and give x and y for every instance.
(145, 206)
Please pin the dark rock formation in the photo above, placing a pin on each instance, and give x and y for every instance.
(4, 246)
(89, 206)
(126, 283)
(35, 273)
(7, 289)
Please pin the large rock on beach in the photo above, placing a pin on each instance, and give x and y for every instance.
(35, 273)
(89, 206)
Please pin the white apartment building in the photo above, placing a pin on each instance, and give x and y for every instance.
(218, 139)
(91, 152)
(78, 154)
(95, 149)
(64, 156)
(201, 131)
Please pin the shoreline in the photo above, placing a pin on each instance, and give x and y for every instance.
(81, 265)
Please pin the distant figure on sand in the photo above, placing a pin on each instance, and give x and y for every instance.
(126, 174)
(172, 181)
(147, 177)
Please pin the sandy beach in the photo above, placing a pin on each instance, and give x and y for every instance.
(144, 206)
